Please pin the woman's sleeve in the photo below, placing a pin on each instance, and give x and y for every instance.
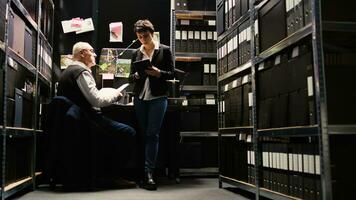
(169, 66)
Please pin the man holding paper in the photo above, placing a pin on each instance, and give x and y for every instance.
(78, 85)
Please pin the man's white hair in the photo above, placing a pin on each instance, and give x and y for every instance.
(80, 46)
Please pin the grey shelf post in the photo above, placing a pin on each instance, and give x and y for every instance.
(321, 104)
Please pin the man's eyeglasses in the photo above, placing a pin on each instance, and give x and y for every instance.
(91, 50)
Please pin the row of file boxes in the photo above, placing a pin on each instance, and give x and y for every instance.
(19, 167)
(195, 5)
(198, 152)
(20, 87)
(229, 11)
(235, 49)
(236, 102)
(284, 17)
(198, 73)
(233, 156)
(199, 99)
(292, 169)
(21, 38)
(292, 109)
(195, 41)
(203, 118)
(285, 89)
(45, 59)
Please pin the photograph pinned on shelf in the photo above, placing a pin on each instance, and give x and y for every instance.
(107, 61)
(77, 25)
(87, 26)
(123, 67)
(116, 31)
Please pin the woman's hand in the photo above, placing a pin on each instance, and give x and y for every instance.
(136, 76)
(153, 71)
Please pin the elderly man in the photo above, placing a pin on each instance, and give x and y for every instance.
(77, 84)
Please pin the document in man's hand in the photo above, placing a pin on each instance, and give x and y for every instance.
(122, 87)
(141, 66)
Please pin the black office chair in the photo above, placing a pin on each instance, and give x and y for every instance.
(71, 146)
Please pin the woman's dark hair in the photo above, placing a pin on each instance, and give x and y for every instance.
(143, 26)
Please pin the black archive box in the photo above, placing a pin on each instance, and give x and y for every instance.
(272, 17)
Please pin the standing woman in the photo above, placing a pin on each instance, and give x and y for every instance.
(150, 93)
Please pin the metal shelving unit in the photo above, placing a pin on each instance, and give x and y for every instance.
(236, 71)
(297, 131)
(199, 88)
(323, 132)
(192, 54)
(23, 62)
(196, 58)
(24, 12)
(236, 24)
(16, 136)
(198, 134)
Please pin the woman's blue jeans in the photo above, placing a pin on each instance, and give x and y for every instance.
(150, 116)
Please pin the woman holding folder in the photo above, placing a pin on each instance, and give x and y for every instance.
(150, 92)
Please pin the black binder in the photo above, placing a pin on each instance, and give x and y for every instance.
(28, 46)
(237, 9)
(210, 40)
(226, 14)
(220, 26)
(299, 16)
(233, 12)
(190, 41)
(184, 41)
(290, 12)
(11, 21)
(2, 19)
(19, 32)
(203, 42)
(178, 41)
(307, 11)
(272, 17)
(184, 5)
(244, 6)
(197, 41)
(213, 78)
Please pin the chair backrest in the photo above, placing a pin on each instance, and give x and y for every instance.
(70, 143)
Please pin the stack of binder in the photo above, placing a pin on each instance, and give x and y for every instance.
(197, 36)
(45, 64)
(233, 10)
(285, 89)
(233, 152)
(292, 169)
(209, 77)
(236, 106)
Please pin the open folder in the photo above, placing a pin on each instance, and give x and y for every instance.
(122, 87)
(141, 66)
